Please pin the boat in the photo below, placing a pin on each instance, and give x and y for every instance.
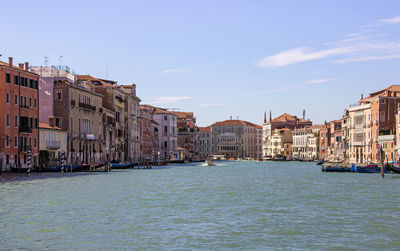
(370, 168)
(123, 166)
(320, 162)
(335, 167)
(209, 162)
(393, 167)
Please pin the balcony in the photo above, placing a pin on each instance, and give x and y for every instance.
(24, 106)
(72, 102)
(25, 129)
(386, 138)
(87, 106)
(53, 144)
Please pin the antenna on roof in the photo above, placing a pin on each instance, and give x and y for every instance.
(61, 57)
(304, 114)
(46, 60)
(237, 117)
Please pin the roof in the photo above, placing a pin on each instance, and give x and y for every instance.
(95, 82)
(16, 68)
(205, 129)
(388, 91)
(234, 122)
(183, 115)
(43, 125)
(157, 110)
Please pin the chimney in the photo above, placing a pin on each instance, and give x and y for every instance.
(10, 61)
(26, 66)
(231, 117)
(362, 96)
(21, 66)
(51, 121)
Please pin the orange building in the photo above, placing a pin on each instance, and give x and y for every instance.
(20, 113)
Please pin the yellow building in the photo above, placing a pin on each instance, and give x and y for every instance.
(52, 142)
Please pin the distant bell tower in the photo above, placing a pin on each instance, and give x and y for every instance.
(270, 116)
(265, 117)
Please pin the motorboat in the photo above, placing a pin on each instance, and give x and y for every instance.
(209, 162)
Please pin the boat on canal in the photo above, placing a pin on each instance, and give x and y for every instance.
(209, 162)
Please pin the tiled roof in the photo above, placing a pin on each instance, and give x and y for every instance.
(233, 122)
(90, 80)
(47, 126)
(384, 92)
(157, 110)
(205, 129)
(285, 118)
(16, 68)
(184, 115)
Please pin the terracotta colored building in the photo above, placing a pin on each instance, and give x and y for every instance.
(19, 123)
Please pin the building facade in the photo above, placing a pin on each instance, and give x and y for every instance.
(53, 144)
(19, 123)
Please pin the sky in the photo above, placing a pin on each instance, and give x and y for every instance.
(218, 58)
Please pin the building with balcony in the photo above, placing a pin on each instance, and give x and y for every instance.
(205, 142)
(149, 146)
(132, 125)
(281, 142)
(167, 133)
(188, 134)
(283, 121)
(19, 128)
(52, 144)
(235, 139)
(78, 110)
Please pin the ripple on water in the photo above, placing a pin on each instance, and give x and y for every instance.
(235, 205)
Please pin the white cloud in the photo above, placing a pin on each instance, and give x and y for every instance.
(393, 20)
(170, 99)
(212, 105)
(175, 70)
(366, 58)
(300, 54)
(319, 81)
(314, 72)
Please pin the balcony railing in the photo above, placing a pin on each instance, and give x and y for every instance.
(386, 138)
(87, 106)
(25, 129)
(24, 106)
(53, 144)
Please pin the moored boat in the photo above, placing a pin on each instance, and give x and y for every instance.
(209, 162)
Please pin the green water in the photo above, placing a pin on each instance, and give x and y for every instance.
(236, 205)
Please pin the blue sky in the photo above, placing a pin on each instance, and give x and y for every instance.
(218, 58)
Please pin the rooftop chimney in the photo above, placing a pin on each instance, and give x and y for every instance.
(26, 66)
(10, 61)
(21, 66)
(51, 121)
(362, 96)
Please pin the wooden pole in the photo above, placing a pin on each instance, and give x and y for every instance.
(382, 153)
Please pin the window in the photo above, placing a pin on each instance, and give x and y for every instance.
(36, 124)
(165, 129)
(42, 136)
(16, 141)
(30, 141)
(16, 121)
(34, 103)
(165, 117)
(8, 120)
(35, 142)
(31, 84)
(16, 99)
(7, 140)
(30, 102)
(16, 80)
(58, 95)
(7, 98)
(58, 122)
(36, 84)
(8, 78)
(165, 144)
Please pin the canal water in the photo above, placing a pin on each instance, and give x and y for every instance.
(235, 205)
